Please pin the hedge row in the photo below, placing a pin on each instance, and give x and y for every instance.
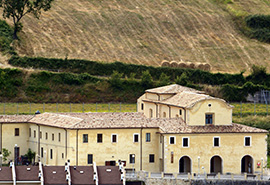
(195, 76)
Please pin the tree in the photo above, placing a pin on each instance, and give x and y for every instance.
(17, 9)
(30, 155)
(164, 79)
(147, 80)
(6, 154)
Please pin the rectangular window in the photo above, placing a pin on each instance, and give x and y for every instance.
(41, 152)
(51, 153)
(142, 106)
(132, 158)
(114, 138)
(29, 132)
(247, 141)
(46, 135)
(185, 142)
(52, 137)
(172, 140)
(180, 112)
(99, 138)
(135, 138)
(171, 157)
(216, 141)
(59, 137)
(40, 135)
(34, 134)
(90, 159)
(85, 138)
(62, 155)
(208, 118)
(17, 131)
(151, 158)
(148, 137)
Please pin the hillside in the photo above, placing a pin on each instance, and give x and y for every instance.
(146, 32)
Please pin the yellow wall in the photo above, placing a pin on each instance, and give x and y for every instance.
(9, 139)
(222, 113)
(231, 151)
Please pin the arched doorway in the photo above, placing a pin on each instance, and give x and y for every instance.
(185, 165)
(247, 164)
(216, 164)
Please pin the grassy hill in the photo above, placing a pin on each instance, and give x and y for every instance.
(147, 32)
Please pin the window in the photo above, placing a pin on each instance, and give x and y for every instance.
(90, 159)
(208, 118)
(41, 152)
(99, 138)
(29, 132)
(17, 131)
(150, 113)
(40, 135)
(161, 139)
(247, 141)
(34, 134)
(46, 135)
(59, 137)
(172, 140)
(135, 138)
(148, 137)
(62, 155)
(142, 106)
(164, 114)
(216, 141)
(114, 138)
(132, 158)
(171, 157)
(85, 138)
(185, 142)
(51, 153)
(180, 112)
(52, 137)
(151, 158)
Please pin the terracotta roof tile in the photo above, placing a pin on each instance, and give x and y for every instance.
(5, 174)
(15, 118)
(23, 174)
(54, 175)
(172, 89)
(109, 175)
(82, 175)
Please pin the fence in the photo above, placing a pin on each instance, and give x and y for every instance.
(243, 109)
(31, 108)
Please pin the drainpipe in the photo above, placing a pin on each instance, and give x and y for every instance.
(40, 175)
(77, 148)
(141, 150)
(12, 165)
(95, 173)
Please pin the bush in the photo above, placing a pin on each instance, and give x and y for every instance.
(6, 38)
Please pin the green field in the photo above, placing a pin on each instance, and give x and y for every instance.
(243, 109)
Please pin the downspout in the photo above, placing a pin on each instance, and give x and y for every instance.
(141, 150)
(66, 144)
(77, 148)
(163, 159)
(38, 140)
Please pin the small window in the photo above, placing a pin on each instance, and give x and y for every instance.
(41, 152)
(171, 157)
(34, 134)
(46, 135)
(51, 153)
(29, 132)
(151, 158)
(216, 141)
(52, 137)
(142, 106)
(150, 113)
(99, 138)
(132, 158)
(148, 137)
(90, 159)
(247, 141)
(85, 138)
(59, 137)
(172, 140)
(135, 138)
(208, 118)
(185, 142)
(164, 114)
(17, 131)
(40, 135)
(180, 112)
(62, 155)
(114, 138)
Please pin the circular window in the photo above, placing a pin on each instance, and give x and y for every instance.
(209, 105)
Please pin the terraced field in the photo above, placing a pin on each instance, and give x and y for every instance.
(146, 32)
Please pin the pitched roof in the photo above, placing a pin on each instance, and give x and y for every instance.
(27, 173)
(186, 99)
(54, 175)
(171, 89)
(5, 173)
(109, 175)
(82, 175)
(15, 118)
